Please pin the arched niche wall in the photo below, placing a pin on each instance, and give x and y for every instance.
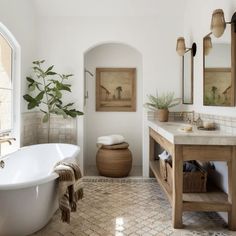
(112, 54)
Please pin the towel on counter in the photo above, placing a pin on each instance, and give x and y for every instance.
(70, 188)
(110, 139)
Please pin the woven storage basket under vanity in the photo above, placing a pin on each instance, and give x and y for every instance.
(114, 160)
(193, 182)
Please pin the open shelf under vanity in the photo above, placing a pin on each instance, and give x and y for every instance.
(213, 200)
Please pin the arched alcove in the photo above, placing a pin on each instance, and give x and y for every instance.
(14, 85)
(129, 124)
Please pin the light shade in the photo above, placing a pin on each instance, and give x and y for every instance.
(218, 23)
(180, 46)
(207, 45)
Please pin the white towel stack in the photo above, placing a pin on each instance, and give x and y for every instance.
(110, 139)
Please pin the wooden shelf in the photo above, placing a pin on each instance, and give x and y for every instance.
(213, 200)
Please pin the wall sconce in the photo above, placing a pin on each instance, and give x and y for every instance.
(181, 48)
(207, 45)
(218, 23)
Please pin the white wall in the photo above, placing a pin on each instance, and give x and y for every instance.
(19, 18)
(196, 26)
(128, 124)
(63, 38)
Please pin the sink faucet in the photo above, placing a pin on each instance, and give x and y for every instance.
(186, 118)
(191, 120)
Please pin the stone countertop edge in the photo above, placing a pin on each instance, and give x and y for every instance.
(171, 131)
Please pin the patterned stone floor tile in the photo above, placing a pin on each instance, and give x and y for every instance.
(130, 207)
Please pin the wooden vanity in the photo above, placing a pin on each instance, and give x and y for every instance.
(197, 145)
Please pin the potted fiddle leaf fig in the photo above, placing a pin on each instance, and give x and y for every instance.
(162, 104)
(48, 88)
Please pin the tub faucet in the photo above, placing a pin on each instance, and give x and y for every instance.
(7, 140)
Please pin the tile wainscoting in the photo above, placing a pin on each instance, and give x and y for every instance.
(224, 123)
(35, 132)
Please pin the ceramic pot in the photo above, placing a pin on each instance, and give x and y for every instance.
(163, 115)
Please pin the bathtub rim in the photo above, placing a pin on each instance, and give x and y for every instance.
(45, 179)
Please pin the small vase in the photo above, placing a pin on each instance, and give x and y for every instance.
(163, 115)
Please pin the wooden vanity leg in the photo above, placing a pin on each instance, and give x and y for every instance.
(177, 187)
(151, 154)
(232, 190)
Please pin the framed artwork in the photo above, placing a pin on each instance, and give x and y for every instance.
(116, 89)
(217, 87)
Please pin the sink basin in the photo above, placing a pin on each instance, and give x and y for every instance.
(179, 126)
(175, 124)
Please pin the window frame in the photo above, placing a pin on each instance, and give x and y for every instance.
(15, 130)
(9, 131)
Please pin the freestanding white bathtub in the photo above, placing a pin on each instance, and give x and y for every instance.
(28, 187)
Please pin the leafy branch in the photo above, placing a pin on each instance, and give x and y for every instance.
(49, 87)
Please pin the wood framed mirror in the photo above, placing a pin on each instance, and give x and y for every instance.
(187, 77)
(219, 68)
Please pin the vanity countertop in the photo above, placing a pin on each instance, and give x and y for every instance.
(173, 133)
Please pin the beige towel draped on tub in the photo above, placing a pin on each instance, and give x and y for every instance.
(70, 187)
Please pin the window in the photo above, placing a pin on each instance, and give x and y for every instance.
(6, 88)
(10, 90)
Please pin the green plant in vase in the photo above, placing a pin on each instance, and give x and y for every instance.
(48, 87)
(162, 104)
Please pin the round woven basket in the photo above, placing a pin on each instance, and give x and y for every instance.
(114, 160)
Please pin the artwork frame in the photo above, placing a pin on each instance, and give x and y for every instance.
(116, 89)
